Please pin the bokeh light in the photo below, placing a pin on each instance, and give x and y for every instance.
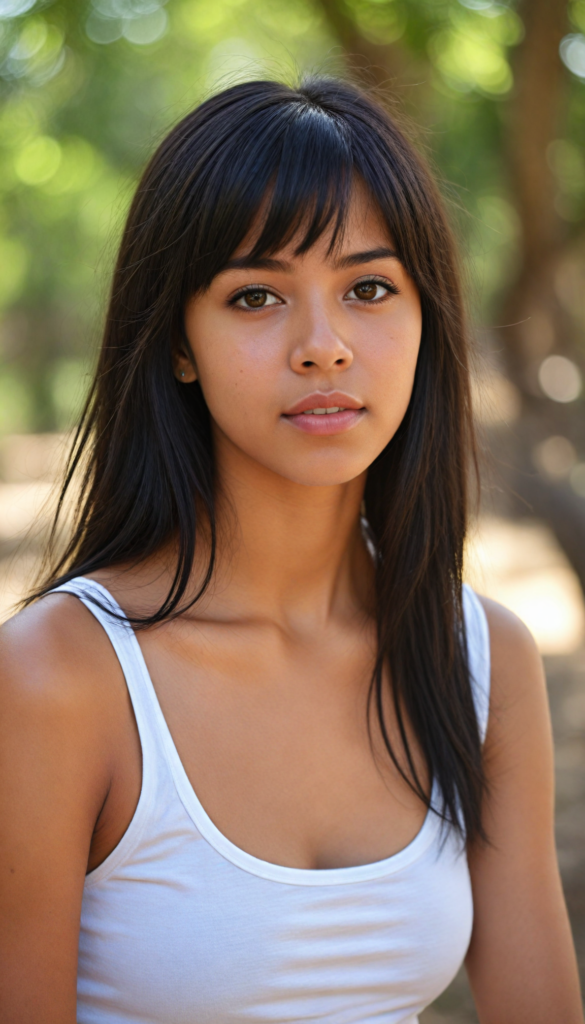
(560, 379)
(38, 161)
(14, 8)
(572, 51)
(555, 457)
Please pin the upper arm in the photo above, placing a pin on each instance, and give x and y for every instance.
(521, 961)
(53, 779)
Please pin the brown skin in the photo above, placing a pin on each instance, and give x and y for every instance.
(264, 683)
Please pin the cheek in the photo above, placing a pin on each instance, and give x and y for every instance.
(392, 367)
(237, 376)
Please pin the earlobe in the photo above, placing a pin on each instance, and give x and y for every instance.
(183, 372)
(187, 367)
(186, 376)
(184, 366)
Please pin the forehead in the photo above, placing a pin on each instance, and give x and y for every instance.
(363, 222)
(360, 226)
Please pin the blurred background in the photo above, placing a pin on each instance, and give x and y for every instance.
(496, 91)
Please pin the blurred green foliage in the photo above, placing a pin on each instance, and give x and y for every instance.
(88, 88)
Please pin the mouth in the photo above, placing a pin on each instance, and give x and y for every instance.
(324, 414)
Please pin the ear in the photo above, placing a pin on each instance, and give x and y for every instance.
(184, 367)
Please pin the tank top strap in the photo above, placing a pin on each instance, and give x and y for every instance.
(478, 653)
(145, 705)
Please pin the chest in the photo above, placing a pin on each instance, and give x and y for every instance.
(193, 937)
(274, 739)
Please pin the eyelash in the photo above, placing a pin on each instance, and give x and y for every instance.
(383, 282)
(249, 290)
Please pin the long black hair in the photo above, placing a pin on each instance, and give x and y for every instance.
(143, 450)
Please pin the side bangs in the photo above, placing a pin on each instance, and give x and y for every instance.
(292, 173)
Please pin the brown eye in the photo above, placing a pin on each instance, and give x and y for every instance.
(366, 290)
(255, 299)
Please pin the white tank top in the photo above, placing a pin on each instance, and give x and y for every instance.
(179, 926)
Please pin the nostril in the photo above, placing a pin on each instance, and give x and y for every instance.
(307, 362)
(339, 362)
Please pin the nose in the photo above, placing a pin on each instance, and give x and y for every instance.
(319, 344)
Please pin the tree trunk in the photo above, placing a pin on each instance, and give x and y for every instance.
(374, 65)
(534, 323)
(531, 310)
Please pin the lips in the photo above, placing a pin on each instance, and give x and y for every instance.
(322, 402)
(325, 414)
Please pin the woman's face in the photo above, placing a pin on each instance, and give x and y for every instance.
(279, 342)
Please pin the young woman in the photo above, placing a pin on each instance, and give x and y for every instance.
(244, 772)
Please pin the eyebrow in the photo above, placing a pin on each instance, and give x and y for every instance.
(258, 263)
(383, 252)
(353, 259)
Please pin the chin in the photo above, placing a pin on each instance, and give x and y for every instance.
(319, 474)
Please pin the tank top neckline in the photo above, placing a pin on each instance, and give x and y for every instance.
(186, 792)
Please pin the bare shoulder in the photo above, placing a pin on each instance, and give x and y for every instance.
(519, 728)
(508, 634)
(516, 665)
(57, 670)
(47, 644)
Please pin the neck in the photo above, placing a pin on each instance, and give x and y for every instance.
(286, 550)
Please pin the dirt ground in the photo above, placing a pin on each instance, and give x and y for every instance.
(566, 686)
